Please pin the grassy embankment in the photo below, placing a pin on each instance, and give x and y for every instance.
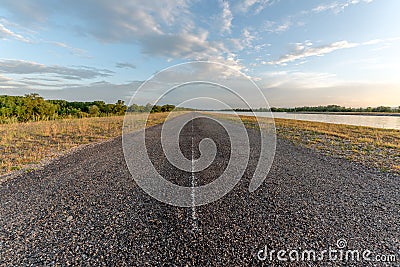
(379, 148)
(22, 144)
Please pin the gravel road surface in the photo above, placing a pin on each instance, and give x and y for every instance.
(84, 209)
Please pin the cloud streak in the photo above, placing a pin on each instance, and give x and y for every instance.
(73, 50)
(274, 27)
(5, 33)
(13, 66)
(256, 5)
(126, 65)
(304, 50)
(338, 7)
(226, 16)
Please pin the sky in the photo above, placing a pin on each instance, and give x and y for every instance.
(344, 52)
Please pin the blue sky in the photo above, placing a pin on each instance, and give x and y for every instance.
(312, 52)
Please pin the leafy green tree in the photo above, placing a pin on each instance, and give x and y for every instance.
(94, 110)
(33, 107)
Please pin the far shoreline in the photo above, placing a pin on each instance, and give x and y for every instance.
(394, 114)
(348, 113)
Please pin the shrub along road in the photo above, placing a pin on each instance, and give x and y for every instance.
(85, 209)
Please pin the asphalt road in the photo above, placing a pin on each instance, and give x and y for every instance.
(84, 209)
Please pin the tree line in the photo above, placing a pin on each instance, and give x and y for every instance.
(33, 107)
(329, 108)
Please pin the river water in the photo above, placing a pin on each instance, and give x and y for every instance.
(386, 122)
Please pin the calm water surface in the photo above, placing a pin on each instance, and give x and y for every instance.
(387, 122)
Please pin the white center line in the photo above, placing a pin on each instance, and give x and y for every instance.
(193, 183)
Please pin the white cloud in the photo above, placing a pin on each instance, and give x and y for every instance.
(160, 28)
(234, 44)
(274, 27)
(4, 78)
(338, 7)
(30, 83)
(5, 33)
(304, 50)
(73, 50)
(183, 45)
(256, 5)
(125, 65)
(248, 38)
(226, 17)
(6, 82)
(245, 41)
(14, 66)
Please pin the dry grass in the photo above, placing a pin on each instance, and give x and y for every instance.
(22, 144)
(29, 143)
(375, 147)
